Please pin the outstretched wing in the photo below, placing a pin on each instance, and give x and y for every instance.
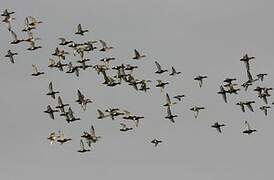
(137, 54)
(158, 66)
(60, 102)
(92, 130)
(168, 99)
(223, 93)
(250, 107)
(250, 78)
(35, 68)
(101, 114)
(123, 125)
(14, 36)
(247, 125)
(51, 62)
(169, 111)
(104, 44)
(70, 112)
(50, 87)
(173, 70)
(79, 28)
(82, 144)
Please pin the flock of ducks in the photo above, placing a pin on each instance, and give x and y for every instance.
(114, 76)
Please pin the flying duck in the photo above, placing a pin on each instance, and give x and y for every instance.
(246, 60)
(104, 46)
(36, 72)
(196, 110)
(264, 109)
(80, 31)
(174, 72)
(169, 115)
(156, 142)
(125, 128)
(62, 138)
(248, 129)
(50, 111)
(261, 76)
(53, 137)
(168, 101)
(51, 91)
(159, 68)
(64, 41)
(179, 97)
(137, 55)
(71, 117)
(218, 126)
(248, 104)
(223, 93)
(61, 105)
(241, 104)
(15, 38)
(10, 56)
(200, 79)
(82, 147)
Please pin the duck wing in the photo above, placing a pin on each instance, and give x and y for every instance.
(158, 66)
(137, 54)
(79, 28)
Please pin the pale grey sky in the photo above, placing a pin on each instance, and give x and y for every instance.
(197, 37)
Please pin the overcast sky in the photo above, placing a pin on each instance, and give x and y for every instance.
(197, 37)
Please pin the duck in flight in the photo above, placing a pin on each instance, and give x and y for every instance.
(169, 115)
(200, 80)
(218, 126)
(265, 109)
(241, 104)
(168, 101)
(80, 31)
(10, 56)
(7, 13)
(61, 105)
(223, 93)
(196, 110)
(62, 138)
(125, 128)
(36, 72)
(246, 84)
(51, 91)
(250, 78)
(91, 136)
(248, 104)
(144, 86)
(53, 137)
(261, 76)
(82, 147)
(161, 84)
(8, 19)
(137, 55)
(159, 68)
(15, 38)
(105, 47)
(246, 60)
(248, 129)
(33, 46)
(101, 114)
(179, 97)
(174, 72)
(82, 101)
(70, 117)
(50, 111)
(64, 41)
(73, 69)
(156, 142)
